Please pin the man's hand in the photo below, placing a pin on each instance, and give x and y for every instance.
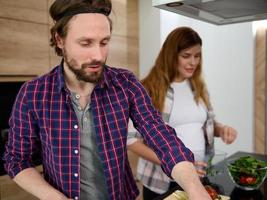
(184, 173)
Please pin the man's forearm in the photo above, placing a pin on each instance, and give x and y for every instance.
(32, 181)
(185, 175)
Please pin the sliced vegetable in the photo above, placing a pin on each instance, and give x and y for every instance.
(212, 192)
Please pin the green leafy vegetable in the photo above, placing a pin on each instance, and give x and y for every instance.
(210, 170)
(248, 171)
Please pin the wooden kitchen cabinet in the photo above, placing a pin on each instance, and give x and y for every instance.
(24, 48)
(24, 10)
(260, 96)
(25, 34)
(24, 39)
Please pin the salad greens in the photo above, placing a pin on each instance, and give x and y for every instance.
(210, 170)
(248, 171)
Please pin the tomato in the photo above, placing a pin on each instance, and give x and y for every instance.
(242, 180)
(251, 180)
(212, 192)
(247, 180)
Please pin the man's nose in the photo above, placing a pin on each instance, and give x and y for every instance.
(96, 53)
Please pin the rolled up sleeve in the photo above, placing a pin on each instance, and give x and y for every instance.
(21, 136)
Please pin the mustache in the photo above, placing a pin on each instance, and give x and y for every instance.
(85, 65)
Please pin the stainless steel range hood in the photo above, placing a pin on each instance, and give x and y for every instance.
(217, 12)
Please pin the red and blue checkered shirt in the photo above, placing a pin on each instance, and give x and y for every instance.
(43, 117)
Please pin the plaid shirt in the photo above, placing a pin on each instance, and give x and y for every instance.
(150, 174)
(43, 117)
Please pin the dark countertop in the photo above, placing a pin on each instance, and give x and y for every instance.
(224, 184)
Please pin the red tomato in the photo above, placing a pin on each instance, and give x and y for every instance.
(212, 192)
(243, 180)
(251, 180)
(247, 180)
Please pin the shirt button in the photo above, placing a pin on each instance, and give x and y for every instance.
(76, 151)
(76, 175)
(79, 108)
(85, 119)
(76, 198)
(77, 96)
(75, 126)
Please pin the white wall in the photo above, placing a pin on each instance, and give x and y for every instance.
(149, 36)
(228, 61)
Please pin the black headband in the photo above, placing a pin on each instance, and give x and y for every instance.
(81, 10)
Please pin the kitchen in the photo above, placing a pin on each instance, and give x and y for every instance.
(235, 57)
(231, 69)
(229, 62)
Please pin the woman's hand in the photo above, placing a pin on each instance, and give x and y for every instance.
(227, 134)
(200, 166)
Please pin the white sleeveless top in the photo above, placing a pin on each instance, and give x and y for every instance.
(188, 117)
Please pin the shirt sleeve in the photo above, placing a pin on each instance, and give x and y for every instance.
(21, 137)
(133, 134)
(156, 133)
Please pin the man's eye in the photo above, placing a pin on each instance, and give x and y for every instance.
(104, 43)
(84, 44)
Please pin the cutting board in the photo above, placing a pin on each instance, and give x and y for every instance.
(181, 195)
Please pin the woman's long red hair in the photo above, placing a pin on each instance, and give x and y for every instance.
(165, 68)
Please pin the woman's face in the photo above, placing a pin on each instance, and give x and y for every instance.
(188, 61)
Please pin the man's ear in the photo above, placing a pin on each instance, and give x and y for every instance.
(59, 41)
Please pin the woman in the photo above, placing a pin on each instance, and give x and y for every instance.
(178, 91)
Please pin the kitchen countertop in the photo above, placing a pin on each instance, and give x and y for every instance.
(226, 187)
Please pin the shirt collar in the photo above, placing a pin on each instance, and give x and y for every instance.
(108, 78)
(60, 76)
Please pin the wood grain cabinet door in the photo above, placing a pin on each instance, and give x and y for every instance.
(24, 40)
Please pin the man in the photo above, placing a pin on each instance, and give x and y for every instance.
(78, 115)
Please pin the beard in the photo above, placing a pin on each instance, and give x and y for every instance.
(81, 74)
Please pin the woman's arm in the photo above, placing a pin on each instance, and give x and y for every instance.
(226, 133)
(144, 151)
